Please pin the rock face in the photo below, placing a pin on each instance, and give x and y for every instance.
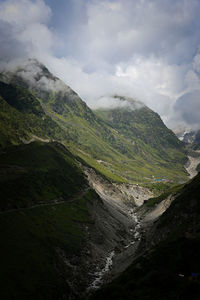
(183, 212)
(156, 212)
(167, 265)
(189, 136)
(136, 193)
(120, 216)
(193, 163)
(124, 195)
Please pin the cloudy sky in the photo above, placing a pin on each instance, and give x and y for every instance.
(145, 49)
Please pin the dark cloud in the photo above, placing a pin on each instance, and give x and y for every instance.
(188, 108)
(10, 47)
(116, 30)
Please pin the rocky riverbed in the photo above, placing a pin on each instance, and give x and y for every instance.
(119, 224)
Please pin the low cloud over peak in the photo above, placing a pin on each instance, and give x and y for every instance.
(117, 101)
(187, 108)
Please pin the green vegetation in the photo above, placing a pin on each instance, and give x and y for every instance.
(38, 173)
(167, 191)
(123, 145)
(186, 208)
(21, 99)
(22, 117)
(44, 205)
(132, 148)
(154, 146)
(142, 124)
(34, 245)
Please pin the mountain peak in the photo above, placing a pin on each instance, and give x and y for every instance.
(35, 76)
(32, 73)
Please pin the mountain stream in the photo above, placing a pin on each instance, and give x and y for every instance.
(114, 259)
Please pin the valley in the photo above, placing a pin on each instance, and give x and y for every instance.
(84, 193)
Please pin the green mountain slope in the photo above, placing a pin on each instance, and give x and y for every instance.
(34, 246)
(44, 200)
(153, 144)
(22, 117)
(171, 269)
(141, 125)
(141, 148)
(38, 173)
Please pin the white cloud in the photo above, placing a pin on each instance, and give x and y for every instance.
(196, 63)
(27, 21)
(142, 49)
(20, 13)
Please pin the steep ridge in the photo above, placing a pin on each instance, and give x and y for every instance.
(41, 209)
(22, 117)
(151, 138)
(56, 232)
(130, 154)
(168, 264)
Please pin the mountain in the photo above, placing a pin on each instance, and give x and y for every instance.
(189, 137)
(22, 117)
(55, 229)
(144, 128)
(39, 223)
(193, 139)
(152, 141)
(168, 267)
(62, 222)
(28, 175)
(134, 150)
(185, 135)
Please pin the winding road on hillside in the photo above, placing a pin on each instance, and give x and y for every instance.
(50, 203)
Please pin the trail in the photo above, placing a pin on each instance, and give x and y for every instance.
(53, 202)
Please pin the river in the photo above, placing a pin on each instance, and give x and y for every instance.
(118, 261)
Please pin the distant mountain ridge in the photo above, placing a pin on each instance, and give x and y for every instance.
(189, 136)
(135, 146)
